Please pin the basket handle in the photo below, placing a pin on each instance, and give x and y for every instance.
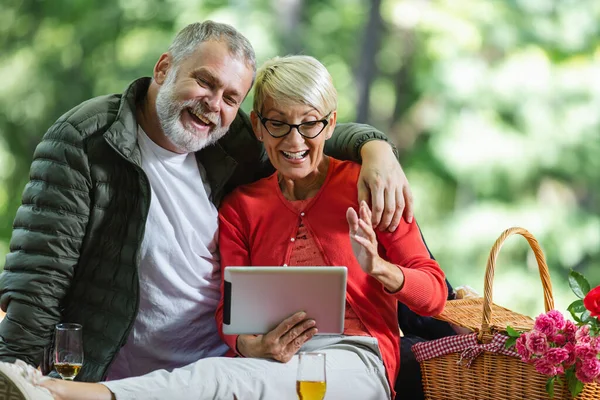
(489, 275)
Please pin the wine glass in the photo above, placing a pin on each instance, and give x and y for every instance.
(311, 382)
(68, 350)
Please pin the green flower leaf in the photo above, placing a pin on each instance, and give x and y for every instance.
(576, 388)
(579, 285)
(510, 342)
(550, 387)
(513, 333)
(558, 381)
(575, 385)
(569, 372)
(595, 328)
(576, 308)
(586, 317)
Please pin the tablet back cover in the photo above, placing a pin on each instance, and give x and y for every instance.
(257, 299)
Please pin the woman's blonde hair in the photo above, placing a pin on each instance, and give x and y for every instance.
(295, 80)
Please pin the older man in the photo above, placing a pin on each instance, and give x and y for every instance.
(118, 225)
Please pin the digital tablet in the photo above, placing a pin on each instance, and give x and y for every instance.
(257, 299)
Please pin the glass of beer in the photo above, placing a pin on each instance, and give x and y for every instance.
(311, 382)
(68, 350)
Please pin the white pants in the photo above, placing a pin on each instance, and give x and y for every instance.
(354, 370)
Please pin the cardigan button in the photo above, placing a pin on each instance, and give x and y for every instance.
(302, 214)
(292, 239)
(285, 265)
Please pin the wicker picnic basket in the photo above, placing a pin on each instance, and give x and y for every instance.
(478, 366)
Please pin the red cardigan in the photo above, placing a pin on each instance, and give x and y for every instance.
(257, 223)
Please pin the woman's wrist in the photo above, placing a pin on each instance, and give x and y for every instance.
(244, 345)
(388, 274)
(379, 267)
(239, 346)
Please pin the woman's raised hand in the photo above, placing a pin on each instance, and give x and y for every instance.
(362, 237)
(282, 343)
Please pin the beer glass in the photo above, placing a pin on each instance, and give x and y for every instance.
(68, 350)
(311, 382)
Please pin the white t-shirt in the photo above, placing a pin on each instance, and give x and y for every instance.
(179, 269)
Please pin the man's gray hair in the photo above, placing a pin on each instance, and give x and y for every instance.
(188, 39)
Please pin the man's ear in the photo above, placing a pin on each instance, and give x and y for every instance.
(256, 125)
(162, 67)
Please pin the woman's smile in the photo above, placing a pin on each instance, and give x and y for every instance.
(295, 156)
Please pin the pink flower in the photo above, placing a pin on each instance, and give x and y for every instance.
(544, 367)
(591, 367)
(545, 324)
(536, 342)
(521, 347)
(595, 344)
(584, 351)
(559, 369)
(559, 319)
(557, 355)
(581, 376)
(572, 357)
(588, 370)
(559, 339)
(583, 334)
(569, 330)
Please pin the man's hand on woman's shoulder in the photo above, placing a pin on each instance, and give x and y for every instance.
(382, 177)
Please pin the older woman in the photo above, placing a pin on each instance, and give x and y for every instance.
(301, 216)
(306, 213)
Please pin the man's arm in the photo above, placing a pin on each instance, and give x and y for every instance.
(348, 138)
(381, 176)
(428, 328)
(47, 234)
(425, 327)
(382, 182)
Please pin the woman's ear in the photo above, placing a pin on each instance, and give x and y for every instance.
(256, 125)
(331, 125)
(162, 67)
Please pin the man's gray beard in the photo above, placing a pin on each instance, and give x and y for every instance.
(169, 113)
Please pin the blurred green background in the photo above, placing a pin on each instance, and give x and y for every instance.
(494, 105)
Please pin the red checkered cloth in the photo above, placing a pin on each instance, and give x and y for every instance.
(467, 345)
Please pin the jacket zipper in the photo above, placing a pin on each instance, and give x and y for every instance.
(145, 182)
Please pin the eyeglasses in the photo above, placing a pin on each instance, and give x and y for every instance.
(309, 129)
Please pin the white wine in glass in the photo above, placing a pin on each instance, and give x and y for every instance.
(68, 350)
(311, 382)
